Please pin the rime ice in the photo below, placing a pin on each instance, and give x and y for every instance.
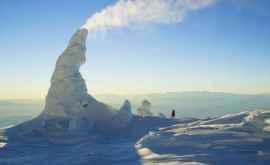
(69, 108)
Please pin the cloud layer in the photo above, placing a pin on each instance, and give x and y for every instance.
(129, 13)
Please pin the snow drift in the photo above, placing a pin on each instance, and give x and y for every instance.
(243, 138)
(240, 139)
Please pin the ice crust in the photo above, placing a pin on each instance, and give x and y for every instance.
(241, 138)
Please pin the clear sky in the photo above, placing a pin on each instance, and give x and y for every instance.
(224, 47)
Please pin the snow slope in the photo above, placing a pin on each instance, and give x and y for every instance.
(97, 148)
(241, 138)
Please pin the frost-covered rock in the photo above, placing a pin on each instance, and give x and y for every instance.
(145, 109)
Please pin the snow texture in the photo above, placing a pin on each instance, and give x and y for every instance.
(244, 137)
(240, 139)
(162, 115)
(67, 96)
(69, 108)
(76, 129)
(124, 116)
(145, 109)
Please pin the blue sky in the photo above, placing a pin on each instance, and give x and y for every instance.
(224, 47)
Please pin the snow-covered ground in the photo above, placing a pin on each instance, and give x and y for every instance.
(96, 148)
(238, 139)
(76, 129)
(241, 138)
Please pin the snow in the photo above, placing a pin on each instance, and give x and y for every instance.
(152, 141)
(68, 100)
(77, 129)
(124, 116)
(145, 109)
(241, 136)
(68, 90)
(69, 109)
(162, 115)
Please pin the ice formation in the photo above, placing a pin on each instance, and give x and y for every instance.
(69, 107)
(145, 109)
(124, 116)
(68, 99)
(67, 96)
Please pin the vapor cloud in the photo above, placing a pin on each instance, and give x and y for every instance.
(129, 13)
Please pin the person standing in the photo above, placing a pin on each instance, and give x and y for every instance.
(173, 113)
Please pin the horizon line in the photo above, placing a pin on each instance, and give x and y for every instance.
(151, 93)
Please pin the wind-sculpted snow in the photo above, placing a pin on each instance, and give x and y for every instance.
(237, 139)
(242, 138)
(67, 95)
(116, 148)
(69, 109)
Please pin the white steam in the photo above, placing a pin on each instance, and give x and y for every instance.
(128, 13)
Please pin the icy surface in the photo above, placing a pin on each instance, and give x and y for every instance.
(77, 129)
(242, 138)
(67, 96)
(162, 115)
(124, 116)
(145, 109)
(94, 149)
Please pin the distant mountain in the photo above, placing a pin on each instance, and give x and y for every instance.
(194, 104)
(186, 104)
(11, 108)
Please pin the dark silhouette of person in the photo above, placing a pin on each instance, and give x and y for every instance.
(173, 113)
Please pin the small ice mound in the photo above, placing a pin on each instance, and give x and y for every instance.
(149, 157)
(3, 139)
(124, 116)
(244, 132)
(146, 153)
(162, 115)
(257, 121)
(145, 109)
(227, 119)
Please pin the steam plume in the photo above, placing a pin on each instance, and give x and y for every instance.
(128, 13)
